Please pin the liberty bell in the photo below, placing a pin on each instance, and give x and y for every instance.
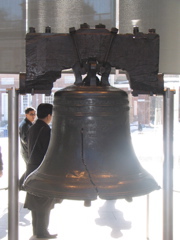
(90, 153)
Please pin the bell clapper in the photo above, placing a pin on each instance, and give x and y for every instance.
(129, 199)
(87, 203)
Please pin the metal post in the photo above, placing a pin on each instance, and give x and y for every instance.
(13, 220)
(147, 218)
(168, 165)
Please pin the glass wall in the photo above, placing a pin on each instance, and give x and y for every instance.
(12, 36)
(143, 217)
(147, 142)
(61, 15)
(162, 15)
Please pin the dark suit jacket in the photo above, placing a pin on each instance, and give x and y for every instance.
(38, 141)
(23, 131)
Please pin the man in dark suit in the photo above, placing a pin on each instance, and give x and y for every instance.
(25, 124)
(38, 141)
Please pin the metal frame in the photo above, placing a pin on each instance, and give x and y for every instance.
(13, 193)
(168, 127)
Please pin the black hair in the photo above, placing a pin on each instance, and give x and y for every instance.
(29, 109)
(44, 109)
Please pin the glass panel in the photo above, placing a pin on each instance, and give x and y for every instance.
(163, 15)
(59, 14)
(62, 14)
(148, 145)
(12, 35)
(49, 99)
(131, 218)
(146, 112)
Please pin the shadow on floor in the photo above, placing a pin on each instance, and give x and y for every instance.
(4, 220)
(3, 224)
(111, 217)
(23, 221)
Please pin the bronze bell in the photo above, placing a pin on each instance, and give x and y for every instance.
(90, 153)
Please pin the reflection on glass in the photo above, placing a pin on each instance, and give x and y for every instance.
(12, 34)
(61, 15)
(147, 143)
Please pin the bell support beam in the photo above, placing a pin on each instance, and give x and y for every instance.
(13, 219)
(48, 54)
(168, 165)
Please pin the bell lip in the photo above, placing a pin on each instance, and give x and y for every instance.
(43, 185)
(85, 198)
(91, 195)
(39, 193)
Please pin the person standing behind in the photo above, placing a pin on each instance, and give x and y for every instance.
(38, 141)
(25, 124)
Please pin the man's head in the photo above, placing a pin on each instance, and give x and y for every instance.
(30, 113)
(44, 112)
